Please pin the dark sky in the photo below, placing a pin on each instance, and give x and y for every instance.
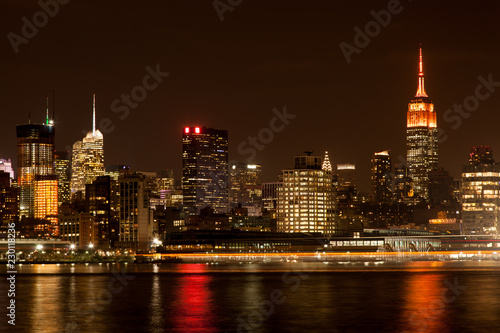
(231, 74)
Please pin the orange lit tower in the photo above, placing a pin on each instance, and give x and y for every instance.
(35, 157)
(421, 138)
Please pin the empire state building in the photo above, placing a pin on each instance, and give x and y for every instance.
(421, 138)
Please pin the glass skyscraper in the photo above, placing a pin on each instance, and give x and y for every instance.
(35, 157)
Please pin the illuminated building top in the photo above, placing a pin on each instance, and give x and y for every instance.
(88, 157)
(421, 81)
(382, 153)
(346, 167)
(327, 166)
(421, 137)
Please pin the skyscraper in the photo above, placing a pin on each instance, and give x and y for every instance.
(136, 218)
(205, 169)
(88, 158)
(245, 187)
(270, 195)
(421, 138)
(6, 165)
(381, 176)
(9, 202)
(305, 200)
(62, 168)
(480, 192)
(402, 184)
(35, 157)
(346, 176)
(98, 198)
(46, 197)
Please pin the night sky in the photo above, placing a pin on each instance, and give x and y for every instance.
(230, 75)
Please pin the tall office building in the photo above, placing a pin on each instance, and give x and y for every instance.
(480, 191)
(270, 195)
(35, 157)
(205, 169)
(421, 138)
(98, 198)
(46, 197)
(403, 191)
(62, 169)
(346, 174)
(381, 176)
(9, 202)
(136, 228)
(6, 166)
(305, 200)
(245, 187)
(88, 158)
(440, 187)
(482, 155)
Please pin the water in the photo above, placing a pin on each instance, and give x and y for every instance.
(271, 297)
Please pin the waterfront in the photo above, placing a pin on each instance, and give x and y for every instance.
(452, 296)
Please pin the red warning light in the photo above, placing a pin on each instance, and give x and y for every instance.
(197, 130)
(186, 130)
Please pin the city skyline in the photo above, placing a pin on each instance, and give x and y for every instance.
(250, 166)
(323, 86)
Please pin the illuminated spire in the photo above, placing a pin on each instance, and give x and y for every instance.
(47, 117)
(421, 83)
(327, 166)
(93, 116)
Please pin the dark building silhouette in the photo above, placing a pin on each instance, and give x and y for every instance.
(381, 177)
(205, 169)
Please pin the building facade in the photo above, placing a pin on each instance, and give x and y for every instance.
(35, 157)
(421, 138)
(6, 166)
(62, 168)
(245, 187)
(46, 197)
(136, 217)
(381, 176)
(205, 169)
(480, 193)
(305, 200)
(98, 198)
(88, 159)
(9, 202)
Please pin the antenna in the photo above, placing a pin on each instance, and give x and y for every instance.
(93, 116)
(47, 110)
(53, 104)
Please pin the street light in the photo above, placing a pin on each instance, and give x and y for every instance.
(72, 246)
(39, 247)
(91, 246)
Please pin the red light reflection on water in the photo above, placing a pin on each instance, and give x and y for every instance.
(194, 300)
(424, 309)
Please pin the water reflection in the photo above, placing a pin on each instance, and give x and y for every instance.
(47, 304)
(424, 307)
(156, 321)
(194, 302)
